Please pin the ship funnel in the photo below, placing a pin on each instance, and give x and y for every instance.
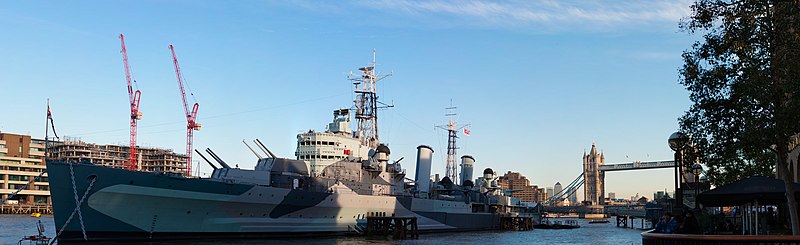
(467, 164)
(422, 177)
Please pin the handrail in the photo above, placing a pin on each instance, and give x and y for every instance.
(649, 237)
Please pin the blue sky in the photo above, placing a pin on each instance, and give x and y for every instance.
(538, 81)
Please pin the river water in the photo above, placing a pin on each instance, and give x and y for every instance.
(14, 227)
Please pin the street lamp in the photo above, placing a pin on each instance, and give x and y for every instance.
(677, 142)
(696, 169)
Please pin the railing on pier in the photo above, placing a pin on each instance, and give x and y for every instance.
(25, 208)
(650, 238)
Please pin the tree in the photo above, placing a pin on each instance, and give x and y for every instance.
(744, 81)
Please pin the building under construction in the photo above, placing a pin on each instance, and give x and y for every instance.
(116, 156)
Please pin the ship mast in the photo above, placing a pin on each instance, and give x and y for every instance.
(367, 104)
(452, 134)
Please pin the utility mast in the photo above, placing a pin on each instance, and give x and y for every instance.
(452, 133)
(366, 103)
(191, 116)
(134, 97)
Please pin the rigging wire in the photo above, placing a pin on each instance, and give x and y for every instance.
(215, 116)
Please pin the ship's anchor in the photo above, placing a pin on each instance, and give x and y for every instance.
(77, 204)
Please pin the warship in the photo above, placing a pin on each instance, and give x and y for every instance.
(337, 179)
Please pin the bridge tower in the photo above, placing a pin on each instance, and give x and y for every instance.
(594, 188)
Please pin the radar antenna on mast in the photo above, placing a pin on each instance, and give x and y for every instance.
(367, 104)
(452, 133)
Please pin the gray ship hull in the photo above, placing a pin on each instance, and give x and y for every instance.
(129, 205)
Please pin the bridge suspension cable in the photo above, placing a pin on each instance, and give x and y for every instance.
(566, 191)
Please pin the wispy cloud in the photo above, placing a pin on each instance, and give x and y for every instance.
(548, 14)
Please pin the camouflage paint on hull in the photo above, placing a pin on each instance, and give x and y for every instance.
(128, 205)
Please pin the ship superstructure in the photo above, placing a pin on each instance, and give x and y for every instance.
(336, 143)
(337, 178)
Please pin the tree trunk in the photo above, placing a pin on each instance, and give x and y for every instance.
(783, 172)
(784, 57)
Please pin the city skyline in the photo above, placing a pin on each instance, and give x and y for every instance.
(538, 86)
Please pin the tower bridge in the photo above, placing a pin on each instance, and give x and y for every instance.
(593, 177)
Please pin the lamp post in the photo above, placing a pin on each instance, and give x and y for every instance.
(677, 142)
(696, 169)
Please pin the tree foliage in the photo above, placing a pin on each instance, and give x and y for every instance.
(744, 82)
(741, 107)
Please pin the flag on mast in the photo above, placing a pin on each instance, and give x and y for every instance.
(466, 132)
(50, 121)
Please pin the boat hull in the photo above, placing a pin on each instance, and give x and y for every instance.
(130, 205)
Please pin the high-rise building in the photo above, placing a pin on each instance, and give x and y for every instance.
(550, 191)
(612, 195)
(521, 187)
(556, 189)
(573, 198)
(21, 161)
(659, 195)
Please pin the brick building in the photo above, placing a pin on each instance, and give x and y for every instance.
(522, 188)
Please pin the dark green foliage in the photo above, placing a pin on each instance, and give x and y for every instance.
(744, 81)
(740, 87)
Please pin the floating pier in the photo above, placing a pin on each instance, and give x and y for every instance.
(399, 228)
(516, 223)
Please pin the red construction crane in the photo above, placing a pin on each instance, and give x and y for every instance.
(134, 99)
(191, 123)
